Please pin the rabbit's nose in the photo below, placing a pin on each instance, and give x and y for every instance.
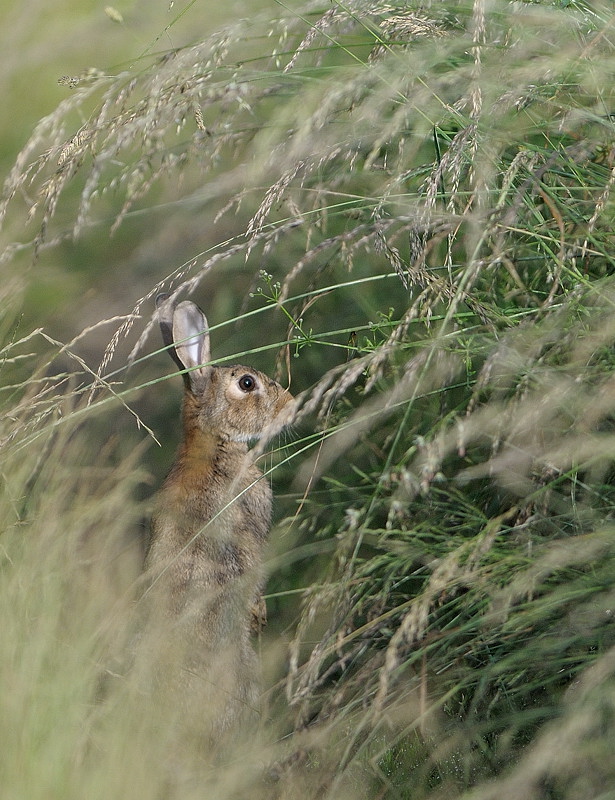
(285, 409)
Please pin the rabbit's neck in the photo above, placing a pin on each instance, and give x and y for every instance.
(204, 454)
(206, 446)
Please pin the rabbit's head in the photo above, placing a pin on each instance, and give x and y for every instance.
(236, 403)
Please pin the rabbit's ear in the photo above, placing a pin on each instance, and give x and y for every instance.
(166, 307)
(191, 337)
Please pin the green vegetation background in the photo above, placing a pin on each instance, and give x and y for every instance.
(404, 210)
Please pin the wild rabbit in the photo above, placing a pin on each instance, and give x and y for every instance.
(209, 527)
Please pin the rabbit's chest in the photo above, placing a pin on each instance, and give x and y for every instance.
(195, 551)
(211, 520)
(243, 504)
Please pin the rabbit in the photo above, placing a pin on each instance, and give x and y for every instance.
(209, 527)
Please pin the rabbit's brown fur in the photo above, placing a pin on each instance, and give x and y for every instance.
(209, 527)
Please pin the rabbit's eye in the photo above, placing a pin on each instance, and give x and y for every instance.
(247, 383)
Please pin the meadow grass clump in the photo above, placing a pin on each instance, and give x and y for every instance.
(424, 196)
(69, 554)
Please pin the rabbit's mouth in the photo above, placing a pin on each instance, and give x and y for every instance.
(283, 414)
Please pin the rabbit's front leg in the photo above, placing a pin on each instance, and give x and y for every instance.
(258, 614)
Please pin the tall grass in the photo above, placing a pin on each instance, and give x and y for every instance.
(424, 193)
